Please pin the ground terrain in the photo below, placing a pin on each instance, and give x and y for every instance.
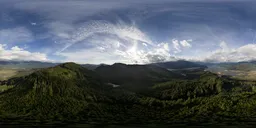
(143, 94)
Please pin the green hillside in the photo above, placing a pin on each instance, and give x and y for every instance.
(71, 93)
(242, 66)
(135, 77)
(240, 70)
(56, 93)
(180, 64)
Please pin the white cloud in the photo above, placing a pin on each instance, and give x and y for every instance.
(176, 46)
(249, 49)
(92, 56)
(112, 55)
(17, 53)
(125, 42)
(15, 35)
(144, 44)
(180, 45)
(225, 54)
(16, 48)
(157, 53)
(121, 43)
(224, 46)
(60, 30)
(33, 23)
(185, 43)
(71, 35)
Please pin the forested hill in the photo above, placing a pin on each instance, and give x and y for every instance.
(72, 93)
(60, 92)
(135, 76)
(180, 64)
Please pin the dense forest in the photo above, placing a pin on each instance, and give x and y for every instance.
(71, 93)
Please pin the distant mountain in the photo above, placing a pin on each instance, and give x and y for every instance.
(139, 76)
(240, 66)
(26, 64)
(180, 64)
(71, 93)
(9, 69)
(91, 66)
(37, 64)
(245, 70)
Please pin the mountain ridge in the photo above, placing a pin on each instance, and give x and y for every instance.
(71, 93)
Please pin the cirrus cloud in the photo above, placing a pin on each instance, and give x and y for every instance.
(15, 35)
(120, 42)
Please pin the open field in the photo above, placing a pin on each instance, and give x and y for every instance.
(243, 75)
(6, 73)
(235, 73)
(4, 87)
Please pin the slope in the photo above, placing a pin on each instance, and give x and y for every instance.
(69, 92)
(57, 93)
(180, 64)
(135, 76)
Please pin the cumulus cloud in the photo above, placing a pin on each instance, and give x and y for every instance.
(185, 43)
(179, 45)
(15, 35)
(68, 28)
(225, 54)
(158, 53)
(176, 46)
(102, 41)
(110, 56)
(17, 53)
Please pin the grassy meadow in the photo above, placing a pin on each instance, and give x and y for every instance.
(6, 73)
(5, 87)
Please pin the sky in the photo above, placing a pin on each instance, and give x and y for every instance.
(128, 31)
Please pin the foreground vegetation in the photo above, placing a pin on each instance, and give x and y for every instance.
(71, 93)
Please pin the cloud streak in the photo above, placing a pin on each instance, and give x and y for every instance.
(16, 35)
(129, 31)
(126, 43)
(88, 29)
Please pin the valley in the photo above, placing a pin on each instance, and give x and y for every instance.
(242, 70)
(127, 63)
(6, 74)
(126, 94)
